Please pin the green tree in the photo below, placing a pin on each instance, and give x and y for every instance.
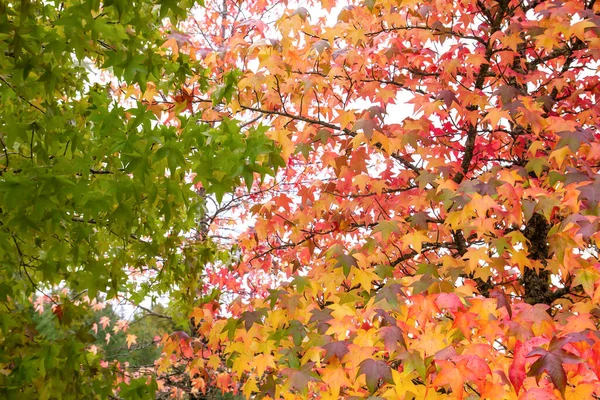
(93, 189)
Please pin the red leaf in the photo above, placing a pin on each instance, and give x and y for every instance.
(449, 301)
(298, 378)
(502, 300)
(337, 349)
(392, 335)
(516, 371)
(375, 370)
(551, 362)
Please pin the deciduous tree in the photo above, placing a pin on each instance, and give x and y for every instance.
(99, 180)
(434, 231)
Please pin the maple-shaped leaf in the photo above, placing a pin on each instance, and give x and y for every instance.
(573, 175)
(375, 371)
(366, 125)
(336, 349)
(413, 361)
(390, 293)
(321, 45)
(392, 335)
(322, 318)
(507, 93)
(230, 327)
(323, 135)
(250, 318)
(502, 300)
(447, 96)
(419, 220)
(573, 139)
(386, 228)
(551, 362)
(385, 316)
(376, 111)
(346, 262)
(537, 166)
(131, 339)
(590, 192)
(587, 278)
(275, 295)
(104, 321)
(298, 378)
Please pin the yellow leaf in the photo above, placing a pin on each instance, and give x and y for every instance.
(473, 257)
(535, 146)
(381, 138)
(454, 219)
(484, 273)
(404, 388)
(519, 258)
(547, 42)
(364, 278)
(579, 391)
(335, 377)
(447, 184)
(512, 41)
(386, 94)
(281, 136)
(414, 240)
(132, 91)
(198, 315)
(559, 155)
(578, 29)
(345, 118)
(494, 115)
(214, 361)
(356, 36)
(277, 318)
(262, 361)
(241, 363)
(249, 388)
(432, 341)
(131, 339)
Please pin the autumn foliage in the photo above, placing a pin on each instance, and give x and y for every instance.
(433, 234)
(387, 198)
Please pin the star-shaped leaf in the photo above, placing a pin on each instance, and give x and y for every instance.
(375, 371)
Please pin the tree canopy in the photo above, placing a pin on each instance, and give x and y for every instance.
(378, 198)
(97, 193)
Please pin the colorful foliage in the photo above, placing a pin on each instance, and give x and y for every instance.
(416, 201)
(433, 234)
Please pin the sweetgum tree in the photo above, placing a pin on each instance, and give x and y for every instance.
(96, 186)
(434, 231)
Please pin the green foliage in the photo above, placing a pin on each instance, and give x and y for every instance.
(146, 328)
(91, 190)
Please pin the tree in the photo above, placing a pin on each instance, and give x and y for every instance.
(99, 183)
(434, 232)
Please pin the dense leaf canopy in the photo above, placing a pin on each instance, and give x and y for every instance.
(434, 232)
(95, 189)
(377, 198)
